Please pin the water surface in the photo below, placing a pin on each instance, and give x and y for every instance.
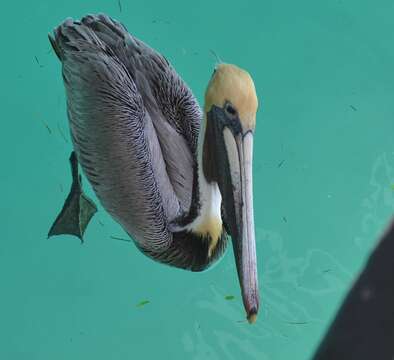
(324, 170)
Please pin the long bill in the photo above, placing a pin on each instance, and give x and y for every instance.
(232, 152)
(244, 242)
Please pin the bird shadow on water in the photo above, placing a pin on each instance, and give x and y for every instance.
(292, 290)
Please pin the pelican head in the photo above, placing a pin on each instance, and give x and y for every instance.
(230, 115)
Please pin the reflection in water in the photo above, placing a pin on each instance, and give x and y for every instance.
(281, 319)
(310, 279)
(379, 202)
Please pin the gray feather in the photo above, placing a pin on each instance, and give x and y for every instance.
(134, 125)
(174, 110)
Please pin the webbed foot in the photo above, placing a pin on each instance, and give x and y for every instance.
(77, 210)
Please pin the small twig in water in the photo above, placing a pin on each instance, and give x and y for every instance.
(62, 133)
(100, 223)
(284, 335)
(161, 21)
(61, 187)
(38, 63)
(284, 219)
(281, 163)
(296, 322)
(353, 108)
(216, 56)
(47, 126)
(120, 6)
(118, 238)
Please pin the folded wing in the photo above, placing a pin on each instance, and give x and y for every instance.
(134, 125)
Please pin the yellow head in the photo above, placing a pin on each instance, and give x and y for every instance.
(231, 84)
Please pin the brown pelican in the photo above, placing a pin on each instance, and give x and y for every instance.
(135, 129)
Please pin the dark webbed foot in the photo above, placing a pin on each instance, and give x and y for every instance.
(77, 210)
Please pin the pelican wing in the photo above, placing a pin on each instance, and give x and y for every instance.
(134, 125)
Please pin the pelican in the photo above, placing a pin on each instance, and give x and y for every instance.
(177, 190)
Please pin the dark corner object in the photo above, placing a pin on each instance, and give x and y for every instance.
(364, 326)
(77, 210)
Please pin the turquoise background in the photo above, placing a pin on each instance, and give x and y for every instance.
(323, 175)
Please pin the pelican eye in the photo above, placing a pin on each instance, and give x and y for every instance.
(230, 110)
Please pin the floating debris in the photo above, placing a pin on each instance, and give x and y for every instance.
(62, 133)
(47, 126)
(297, 322)
(142, 303)
(216, 56)
(353, 108)
(229, 297)
(326, 271)
(38, 62)
(120, 6)
(61, 187)
(100, 223)
(161, 21)
(284, 219)
(119, 238)
(284, 335)
(281, 163)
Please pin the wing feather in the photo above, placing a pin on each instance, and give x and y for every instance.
(134, 125)
(174, 111)
(113, 138)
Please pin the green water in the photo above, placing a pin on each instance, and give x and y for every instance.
(323, 174)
